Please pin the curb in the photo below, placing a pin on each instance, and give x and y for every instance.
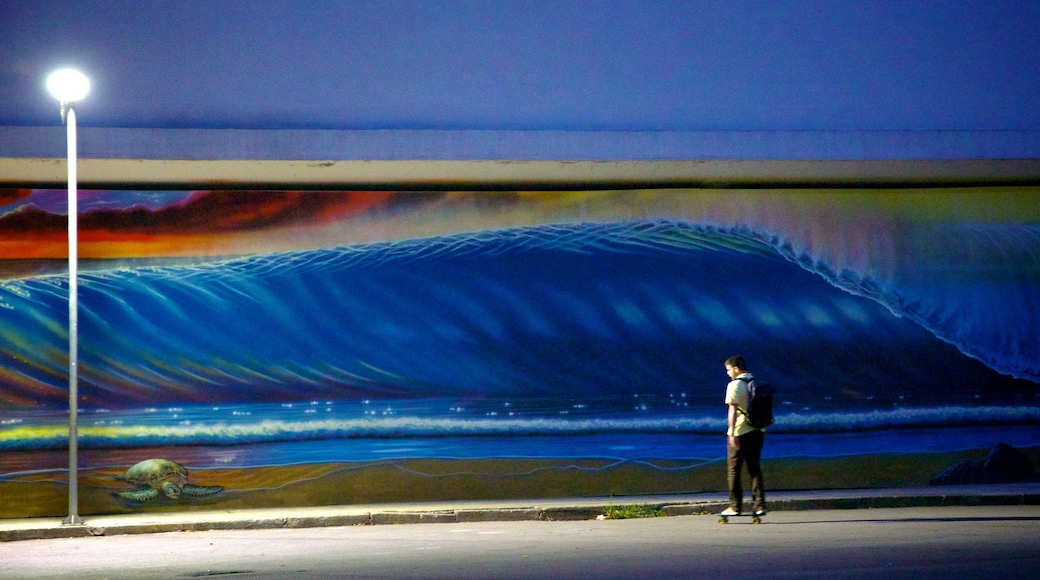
(194, 522)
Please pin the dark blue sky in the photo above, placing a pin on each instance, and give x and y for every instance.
(563, 64)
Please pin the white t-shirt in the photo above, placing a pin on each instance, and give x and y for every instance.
(737, 394)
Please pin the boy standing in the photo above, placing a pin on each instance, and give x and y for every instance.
(744, 441)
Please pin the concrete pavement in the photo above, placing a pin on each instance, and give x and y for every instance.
(509, 510)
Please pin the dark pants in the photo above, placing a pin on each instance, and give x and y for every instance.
(748, 448)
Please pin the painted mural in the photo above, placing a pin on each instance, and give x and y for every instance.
(271, 348)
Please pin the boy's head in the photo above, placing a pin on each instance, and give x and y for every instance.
(735, 366)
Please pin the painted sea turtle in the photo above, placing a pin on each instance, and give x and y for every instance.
(154, 475)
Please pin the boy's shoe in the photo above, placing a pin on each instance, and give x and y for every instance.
(730, 512)
(759, 512)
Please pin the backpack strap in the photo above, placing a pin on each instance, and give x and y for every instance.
(748, 384)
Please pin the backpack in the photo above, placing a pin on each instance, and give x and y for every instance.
(760, 404)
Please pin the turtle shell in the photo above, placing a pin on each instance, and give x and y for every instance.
(153, 472)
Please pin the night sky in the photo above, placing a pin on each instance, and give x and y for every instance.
(580, 65)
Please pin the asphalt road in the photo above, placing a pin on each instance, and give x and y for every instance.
(919, 543)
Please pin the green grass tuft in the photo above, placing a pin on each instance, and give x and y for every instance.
(625, 512)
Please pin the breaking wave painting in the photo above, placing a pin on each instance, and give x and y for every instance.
(307, 348)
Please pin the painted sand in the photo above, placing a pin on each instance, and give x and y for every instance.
(426, 480)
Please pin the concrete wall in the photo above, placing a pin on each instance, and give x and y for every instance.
(34, 156)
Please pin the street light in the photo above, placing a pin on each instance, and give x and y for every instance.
(70, 86)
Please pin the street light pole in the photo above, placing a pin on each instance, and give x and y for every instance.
(69, 86)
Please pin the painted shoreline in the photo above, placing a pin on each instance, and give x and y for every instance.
(428, 480)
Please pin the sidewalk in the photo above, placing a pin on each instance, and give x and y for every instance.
(509, 510)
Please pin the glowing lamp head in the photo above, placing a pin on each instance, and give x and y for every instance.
(68, 85)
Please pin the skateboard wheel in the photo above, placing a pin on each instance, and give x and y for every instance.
(756, 520)
(723, 520)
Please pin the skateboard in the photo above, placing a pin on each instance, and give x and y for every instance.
(755, 519)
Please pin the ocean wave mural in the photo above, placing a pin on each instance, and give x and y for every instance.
(281, 321)
(573, 311)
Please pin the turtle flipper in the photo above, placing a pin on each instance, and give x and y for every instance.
(201, 490)
(139, 495)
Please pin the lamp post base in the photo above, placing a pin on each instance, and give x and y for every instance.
(73, 520)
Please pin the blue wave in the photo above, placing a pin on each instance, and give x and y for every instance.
(950, 284)
(570, 311)
(265, 423)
